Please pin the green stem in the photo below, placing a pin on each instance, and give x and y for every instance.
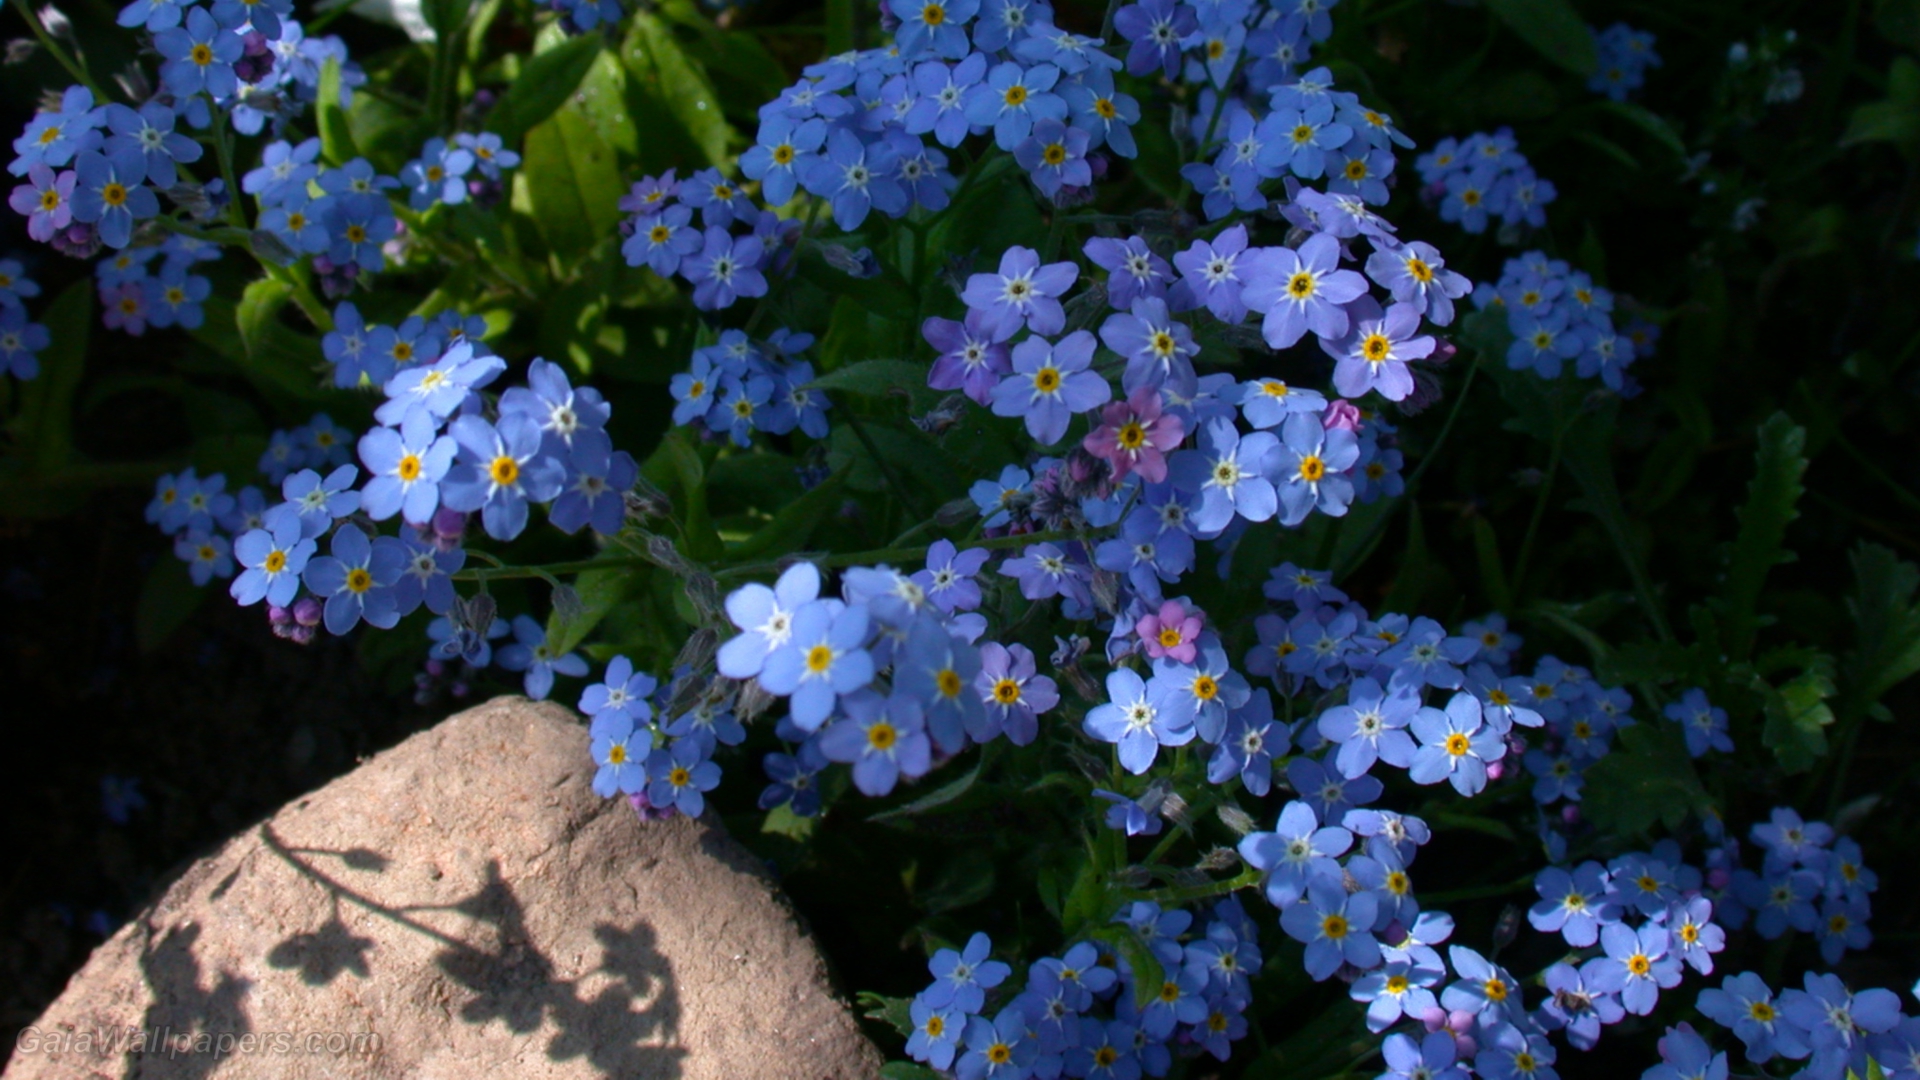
(72, 65)
(223, 150)
(1189, 893)
(1426, 461)
(900, 490)
(1539, 514)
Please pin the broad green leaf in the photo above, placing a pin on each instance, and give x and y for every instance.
(1896, 119)
(889, 1010)
(1650, 122)
(336, 137)
(1886, 627)
(599, 591)
(1148, 975)
(283, 361)
(545, 83)
(1771, 505)
(874, 378)
(259, 309)
(840, 22)
(572, 184)
(782, 821)
(1797, 715)
(686, 466)
(1647, 779)
(793, 526)
(444, 17)
(168, 598)
(44, 425)
(1493, 569)
(1553, 28)
(907, 1070)
(665, 73)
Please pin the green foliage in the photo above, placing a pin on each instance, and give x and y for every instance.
(1886, 627)
(1772, 504)
(545, 82)
(1647, 779)
(888, 1010)
(1554, 28)
(1797, 715)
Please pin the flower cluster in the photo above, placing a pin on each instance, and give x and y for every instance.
(1832, 1028)
(1082, 1013)
(1625, 55)
(1557, 314)
(738, 387)
(134, 294)
(661, 764)
(722, 266)
(1809, 880)
(250, 60)
(21, 340)
(1484, 177)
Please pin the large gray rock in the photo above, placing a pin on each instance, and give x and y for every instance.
(463, 907)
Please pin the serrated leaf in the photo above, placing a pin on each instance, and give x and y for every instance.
(1797, 715)
(336, 137)
(545, 83)
(1886, 627)
(897, 1012)
(874, 378)
(1772, 503)
(1553, 28)
(782, 821)
(1647, 779)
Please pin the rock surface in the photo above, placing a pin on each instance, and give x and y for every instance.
(461, 907)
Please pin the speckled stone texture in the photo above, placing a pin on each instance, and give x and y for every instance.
(461, 907)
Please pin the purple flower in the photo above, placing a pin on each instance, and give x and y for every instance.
(437, 390)
(597, 481)
(1837, 1021)
(1416, 274)
(427, 578)
(1573, 904)
(1574, 1003)
(110, 196)
(882, 738)
(439, 176)
(1297, 851)
(529, 653)
(500, 469)
(1454, 746)
(1247, 746)
(1021, 291)
(1336, 927)
(1636, 966)
(1745, 1004)
(941, 95)
(1431, 1058)
(1132, 270)
(1134, 436)
(1301, 291)
(552, 402)
(1159, 350)
(274, 557)
(725, 269)
(681, 776)
(357, 580)
(854, 178)
(1011, 100)
(1043, 571)
(1012, 691)
(1229, 473)
(149, 132)
(620, 755)
(1374, 353)
(765, 618)
(1704, 724)
(1050, 384)
(405, 468)
(662, 240)
(317, 503)
(973, 356)
(45, 200)
(1055, 155)
(1312, 463)
(199, 56)
(933, 26)
(962, 979)
(948, 578)
(1156, 28)
(1371, 726)
(1684, 1055)
(825, 656)
(784, 148)
(1214, 275)
(1137, 721)
(938, 668)
(20, 343)
(53, 137)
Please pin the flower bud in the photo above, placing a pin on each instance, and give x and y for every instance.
(1236, 819)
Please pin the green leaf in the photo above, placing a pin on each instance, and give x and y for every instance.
(665, 72)
(44, 425)
(839, 26)
(259, 309)
(1886, 627)
(702, 541)
(893, 1011)
(1553, 28)
(1493, 569)
(1148, 975)
(1650, 122)
(168, 598)
(1895, 120)
(572, 184)
(1797, 713)
(1646, 662)
(874, 378)
(281, 360)
(1771, 506)
(942, 795)
(336, 137)
(1410, 582)
(907, 1070)
(1648, 778)
(794, 524)
(782, 821)
(444, 17)
(599, 592)
(545, 83)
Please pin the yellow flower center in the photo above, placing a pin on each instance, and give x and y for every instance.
(1104, 108)
(1458, 744)
(356, 234)
(679, 777)
(1016, 96)
(1169, 637)
(1376, 348)
(936, 1026)
(1356, 170)
(1300, 285)
(617, 754)
(1761, 1011)
(1006, 691)
(202, 54)
(1638, 964)
(783, 154)
(50, 200)
(999, 1053)
(819, 659)
(1169, 991)
(1205, 688)
(933, 14)
(408, 469)
(359, 580)
(1055, 154)
(1131, 435)
(402, 351)
(882, 736)
(1312, 469)
(948, 682)
(114, 194)
(1046, 380)
(1334, 926)
(1495, 989)
(275, 562)
(504, 471)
